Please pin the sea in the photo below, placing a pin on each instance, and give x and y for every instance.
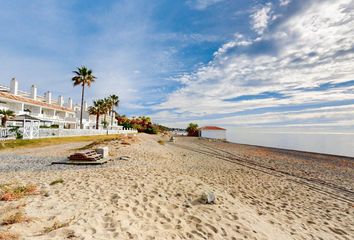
(328, 142)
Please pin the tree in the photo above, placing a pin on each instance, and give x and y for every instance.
(107, 105)
(97, 109)
(192, 129)
(84, 78)
(5, 115)
(114, 99)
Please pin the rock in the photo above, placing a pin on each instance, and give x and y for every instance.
(208, 198)
(187, 204)
(44, 187)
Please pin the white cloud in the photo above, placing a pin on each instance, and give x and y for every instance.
(202, 4)
(313, 47)
(284, 2)
(261, 18)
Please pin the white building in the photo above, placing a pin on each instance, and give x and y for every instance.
(48, 110)
(45, 108)
(213, 132)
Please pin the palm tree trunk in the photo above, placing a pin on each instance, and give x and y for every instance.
(97, 120)
(82, 104)
(3, 121)
(111, 117)
(105, 119)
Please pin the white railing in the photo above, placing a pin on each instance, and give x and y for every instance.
(59, 132)
(5, 133)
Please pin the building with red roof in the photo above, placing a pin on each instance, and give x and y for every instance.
(213, 132)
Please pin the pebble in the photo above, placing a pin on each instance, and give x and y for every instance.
(208, 198)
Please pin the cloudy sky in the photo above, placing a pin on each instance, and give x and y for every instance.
(281, 63)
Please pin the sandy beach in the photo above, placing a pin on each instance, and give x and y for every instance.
(154, 193)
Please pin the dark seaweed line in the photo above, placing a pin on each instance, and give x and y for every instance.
(267, 170)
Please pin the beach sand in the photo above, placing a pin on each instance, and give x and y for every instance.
(260, 193)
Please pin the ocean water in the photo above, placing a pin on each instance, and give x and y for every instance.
(320, 142)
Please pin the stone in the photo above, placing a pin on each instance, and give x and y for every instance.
(103, 151)
(44, 188)
(208, 198)
(187, 204)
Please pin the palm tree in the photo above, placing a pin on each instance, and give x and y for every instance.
(83, 77)
(5, 115)
(107, 104)
(97, 109)
(114, 103)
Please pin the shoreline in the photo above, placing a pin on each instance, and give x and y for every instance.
(293, 150)
(332, 144)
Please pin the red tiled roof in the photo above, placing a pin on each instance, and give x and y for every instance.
(33, 102)
(211, 128)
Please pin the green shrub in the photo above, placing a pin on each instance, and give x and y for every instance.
(151, 130)
(18, 133)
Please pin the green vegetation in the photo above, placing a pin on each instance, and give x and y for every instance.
(18, 133)
(84, 78)
(97, 109)
(104, 106)
(192, 130)
(5, 115)
(60, 180)
(112, 101)
(142, 124)
(23, 143)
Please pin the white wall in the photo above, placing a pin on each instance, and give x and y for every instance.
(216, 134)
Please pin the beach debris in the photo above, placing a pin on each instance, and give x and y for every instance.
(172, 139)
(208, 198)
(60, 180)
(103, 151)
(125, 158)
(89, 155)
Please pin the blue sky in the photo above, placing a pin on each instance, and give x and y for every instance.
(282, 63)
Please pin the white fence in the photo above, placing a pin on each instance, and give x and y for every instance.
(50, 132)
(46, 132)
(5, 133)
